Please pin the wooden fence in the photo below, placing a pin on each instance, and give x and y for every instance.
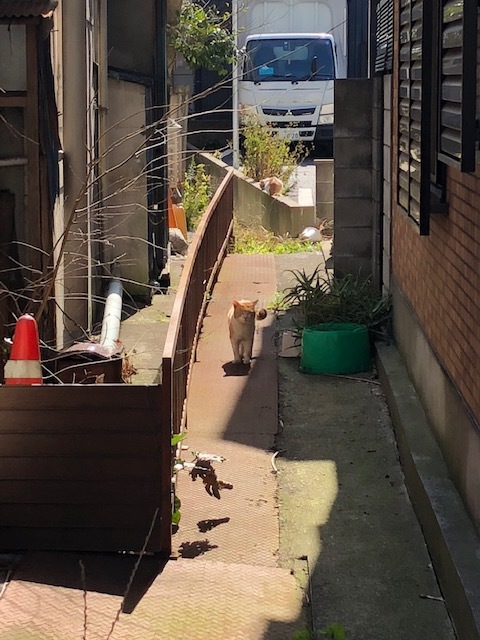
(89, 467)
(200, 271)
(84, 467)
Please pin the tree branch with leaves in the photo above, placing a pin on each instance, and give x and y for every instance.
(203, 36)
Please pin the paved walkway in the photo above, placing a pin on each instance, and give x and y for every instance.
(226, 583)
(233, 412)
(323, 532)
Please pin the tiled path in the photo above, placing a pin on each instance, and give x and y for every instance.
(226, 583)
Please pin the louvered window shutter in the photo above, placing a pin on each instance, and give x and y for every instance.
(384, 37)
(414, 134)
(458, 79)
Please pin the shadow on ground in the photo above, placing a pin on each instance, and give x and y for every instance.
(103, 573)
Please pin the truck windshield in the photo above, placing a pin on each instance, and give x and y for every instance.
(293, 59)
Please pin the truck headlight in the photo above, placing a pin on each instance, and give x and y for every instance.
(326, 119)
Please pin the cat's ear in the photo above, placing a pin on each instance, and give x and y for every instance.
(255, 302)
(235, 303)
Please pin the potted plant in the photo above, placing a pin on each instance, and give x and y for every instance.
(338, 318)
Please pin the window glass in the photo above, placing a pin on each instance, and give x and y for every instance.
(13, 66)
(290, 59)
(12, 132)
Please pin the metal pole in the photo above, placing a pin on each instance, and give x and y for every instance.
(235, 127)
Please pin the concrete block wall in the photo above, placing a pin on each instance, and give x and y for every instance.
(252, 206)
(324, 188)
(354, 202)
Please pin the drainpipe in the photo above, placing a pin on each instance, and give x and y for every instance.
(158, 221)
(112, 315)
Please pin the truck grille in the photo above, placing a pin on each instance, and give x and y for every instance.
(303, 111)
(296, 124)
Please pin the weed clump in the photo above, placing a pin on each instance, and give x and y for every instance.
(197, 193)
(351, 299)
(257, 239)
(265, 154)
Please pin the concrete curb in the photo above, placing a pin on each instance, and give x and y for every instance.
(449, 533)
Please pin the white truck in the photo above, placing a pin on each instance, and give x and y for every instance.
(292, 53)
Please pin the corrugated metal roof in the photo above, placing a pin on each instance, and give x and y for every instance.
(26, 8)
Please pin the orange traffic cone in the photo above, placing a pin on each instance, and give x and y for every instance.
(24, 367)
(176, 216)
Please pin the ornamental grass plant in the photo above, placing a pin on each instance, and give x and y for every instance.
(320, 299)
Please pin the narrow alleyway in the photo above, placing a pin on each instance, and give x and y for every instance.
(313, 527)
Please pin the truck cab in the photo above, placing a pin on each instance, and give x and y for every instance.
(287, 82)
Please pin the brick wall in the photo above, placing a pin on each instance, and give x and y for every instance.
(439, 274)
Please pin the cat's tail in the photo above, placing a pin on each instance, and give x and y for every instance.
(261, 314)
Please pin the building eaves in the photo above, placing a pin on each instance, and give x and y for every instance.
(26, 8)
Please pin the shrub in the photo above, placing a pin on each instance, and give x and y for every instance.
(203, 37)
(265, 154)
(350, 299)
(197, 193)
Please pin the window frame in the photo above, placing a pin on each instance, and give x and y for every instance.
(467, 135)
(414, 92)
(431, 89)
(383, 29)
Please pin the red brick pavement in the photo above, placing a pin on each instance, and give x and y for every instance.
(226, 583)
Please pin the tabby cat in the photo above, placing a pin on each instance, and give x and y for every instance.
(241, 325)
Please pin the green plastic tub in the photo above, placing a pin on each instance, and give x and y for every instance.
(335, 348)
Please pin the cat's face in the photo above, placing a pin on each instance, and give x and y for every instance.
(244, 310)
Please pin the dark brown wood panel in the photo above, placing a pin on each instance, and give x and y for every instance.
(117, 492)
(84, 468)
(18, 538)
(78, 468)
(20, 421)
(116, 445)
(101, 397)
(79, 516)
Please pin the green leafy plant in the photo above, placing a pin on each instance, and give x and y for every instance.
(254, 239)
(334, 632)
(350, 299)
(202, 36)
(178, 437)
(176, 513)
(265, 154)
(201, 466)
(304, 634)
(277, 302)
(197, 192)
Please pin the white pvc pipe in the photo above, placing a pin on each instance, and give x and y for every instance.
(112, 315)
